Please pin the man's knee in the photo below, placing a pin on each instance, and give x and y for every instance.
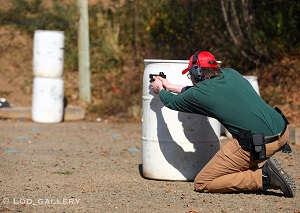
(200, 186)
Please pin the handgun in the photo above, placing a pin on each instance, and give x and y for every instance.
(161, 74)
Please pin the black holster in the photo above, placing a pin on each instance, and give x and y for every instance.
(255, 143)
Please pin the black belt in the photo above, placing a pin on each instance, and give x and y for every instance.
(248, 140)
(286, 147)
(270, 139)
(276, 137)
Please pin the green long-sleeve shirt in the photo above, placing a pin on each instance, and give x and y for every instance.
(231, 99)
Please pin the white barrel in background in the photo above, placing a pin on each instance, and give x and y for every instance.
(176, 145)
(48, 100)
(253, 81)
(48, 53)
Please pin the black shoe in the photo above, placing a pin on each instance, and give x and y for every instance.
(274, 177)
(4, 103)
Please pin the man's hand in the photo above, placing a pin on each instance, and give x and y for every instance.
(157, 84)
(160, 83)
(164, 81)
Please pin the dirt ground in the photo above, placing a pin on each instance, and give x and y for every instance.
(96, 167)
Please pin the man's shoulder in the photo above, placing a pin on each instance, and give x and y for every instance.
(229, 70)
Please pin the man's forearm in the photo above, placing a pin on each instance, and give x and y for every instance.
(175, 88)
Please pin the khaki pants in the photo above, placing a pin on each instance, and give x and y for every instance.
(231, 169)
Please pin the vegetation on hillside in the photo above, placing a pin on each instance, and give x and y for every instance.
(254, 37)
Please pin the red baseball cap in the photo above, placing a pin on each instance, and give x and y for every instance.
(205, 59)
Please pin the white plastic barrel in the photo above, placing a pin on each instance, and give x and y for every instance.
(48, 53)
(48, 100)
(253, 81)
(176, 145)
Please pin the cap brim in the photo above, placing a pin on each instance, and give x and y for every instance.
(185, 71)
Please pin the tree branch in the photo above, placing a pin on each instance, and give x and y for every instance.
(235, 40)
(236, 21)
